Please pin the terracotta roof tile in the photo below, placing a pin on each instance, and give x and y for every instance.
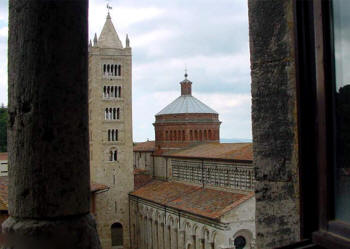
(209, 202)
(3, 156)
(205, 202)
(145, 146)
(233, 151)
(141, 178)
(163, 192)
(94, 187)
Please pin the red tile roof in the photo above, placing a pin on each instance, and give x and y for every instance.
(205, 202)
(145, 146)
(230, 151)
(94, 187)
(3, 156)
(141, 178)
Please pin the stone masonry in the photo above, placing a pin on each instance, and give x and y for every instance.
(274, 118)
(110, 120)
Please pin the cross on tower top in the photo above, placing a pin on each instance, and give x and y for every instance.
(108, 6)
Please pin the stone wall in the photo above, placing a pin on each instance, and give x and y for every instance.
(153, 227)
(111, 206)
(274, 119)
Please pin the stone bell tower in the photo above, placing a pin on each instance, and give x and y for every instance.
(110, 121)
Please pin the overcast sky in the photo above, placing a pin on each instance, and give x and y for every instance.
(209, 36)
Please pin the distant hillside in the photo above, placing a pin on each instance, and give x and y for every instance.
(3, 129)
(235, 140)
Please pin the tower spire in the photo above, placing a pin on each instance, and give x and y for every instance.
(95, 40)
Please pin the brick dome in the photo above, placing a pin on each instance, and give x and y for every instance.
(186, 120)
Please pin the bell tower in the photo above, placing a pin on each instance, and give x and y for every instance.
(110, 127)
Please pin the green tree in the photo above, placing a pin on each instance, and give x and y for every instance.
(3, 129)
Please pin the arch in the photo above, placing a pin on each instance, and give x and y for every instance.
(117, 234)
(119, 92)
(118, 113)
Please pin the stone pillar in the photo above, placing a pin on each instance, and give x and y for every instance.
(274, 122)
(49, 193)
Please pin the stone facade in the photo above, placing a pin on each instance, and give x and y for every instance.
(274, 119)
(110, 119)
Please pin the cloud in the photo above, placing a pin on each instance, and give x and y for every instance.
(4, 32)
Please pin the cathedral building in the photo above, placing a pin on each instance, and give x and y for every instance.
(191, 191)
(110, 128)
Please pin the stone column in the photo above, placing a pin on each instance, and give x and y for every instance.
(49, 188)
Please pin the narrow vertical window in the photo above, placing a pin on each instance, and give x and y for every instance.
(116, 135)
(109, 135)
(114, 113)
(110, 113)
(106, 114)
(104, 69)
(104, 91)
(108, 89)
(119, 70)
(112, 91)
(115, 70)
(112, 135)
(119, 91)
(115, 155)
(108, 70)
(116, 92)
(118, 113)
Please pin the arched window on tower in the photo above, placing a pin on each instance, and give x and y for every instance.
(116, 135)
(119, 91)
(104, 69)
(104, 91)
(116, 92)
(112, 135)
(112, 70)
(112, 91)
(114, 113)
(108, 70)
(119, 70)
(117, 235)
(115, 70)
(109, 135)
(115, 155)
(118, 113)
(106, 114)
(108, 91)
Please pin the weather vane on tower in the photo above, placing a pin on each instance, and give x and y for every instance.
(108, 7)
